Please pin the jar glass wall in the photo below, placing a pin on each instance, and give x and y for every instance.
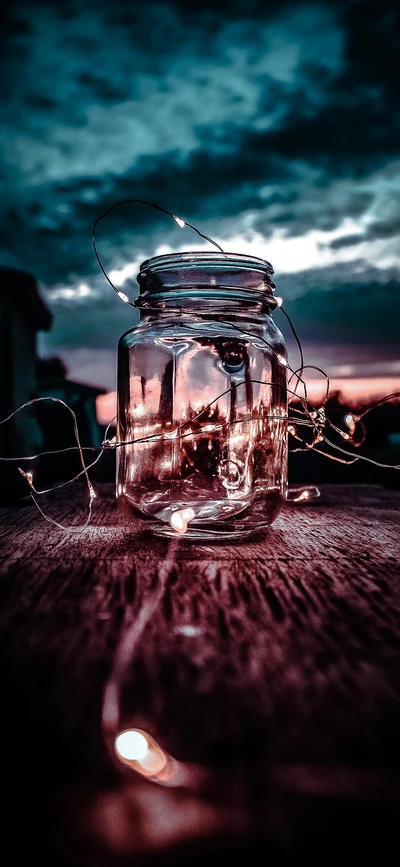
(202, 398)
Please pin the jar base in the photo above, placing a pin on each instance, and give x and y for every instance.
(205, 520)
(212, 533)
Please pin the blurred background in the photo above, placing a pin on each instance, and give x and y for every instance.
(272, 127)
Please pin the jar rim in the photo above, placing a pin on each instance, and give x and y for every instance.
(205, 277)
(204, 257)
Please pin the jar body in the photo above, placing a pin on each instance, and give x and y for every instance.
(202, 415)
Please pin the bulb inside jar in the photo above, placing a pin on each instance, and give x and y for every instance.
(180, 518)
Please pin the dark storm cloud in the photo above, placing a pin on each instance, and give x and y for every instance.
(380, 229)
(365, 312)
(278, 117)
(151, 100)
(324, 304)
(97, 324)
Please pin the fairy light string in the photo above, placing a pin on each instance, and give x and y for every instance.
(306, 415)
(28, 475)
(178, 220)
(307, 420)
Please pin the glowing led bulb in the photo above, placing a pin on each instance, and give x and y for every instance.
(123, 297)
(350, 420)
(300, 495)
(131, 745)
(28, 476)
(319, 414)
(303, 496)
(180, 222)
(180, 519)
(279, 300)
(110, 443)
(281, 359)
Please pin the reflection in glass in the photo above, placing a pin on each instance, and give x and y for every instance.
(202, 401)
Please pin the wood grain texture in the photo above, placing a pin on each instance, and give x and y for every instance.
(273, 665)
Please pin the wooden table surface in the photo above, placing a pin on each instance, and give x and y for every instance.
(270, 671)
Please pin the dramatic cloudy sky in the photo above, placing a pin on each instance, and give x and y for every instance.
(272, 126)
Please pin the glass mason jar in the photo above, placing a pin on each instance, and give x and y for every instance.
(202, 398)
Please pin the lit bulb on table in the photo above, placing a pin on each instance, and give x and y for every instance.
(301, 495)
(139, 750)
(131, 745)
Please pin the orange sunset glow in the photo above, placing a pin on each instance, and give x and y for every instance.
(354, 390)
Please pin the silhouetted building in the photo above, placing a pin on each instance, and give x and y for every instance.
(22, 314)
(321, 464)
(57, 423)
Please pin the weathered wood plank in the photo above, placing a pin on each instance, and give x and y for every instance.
(254, 661)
